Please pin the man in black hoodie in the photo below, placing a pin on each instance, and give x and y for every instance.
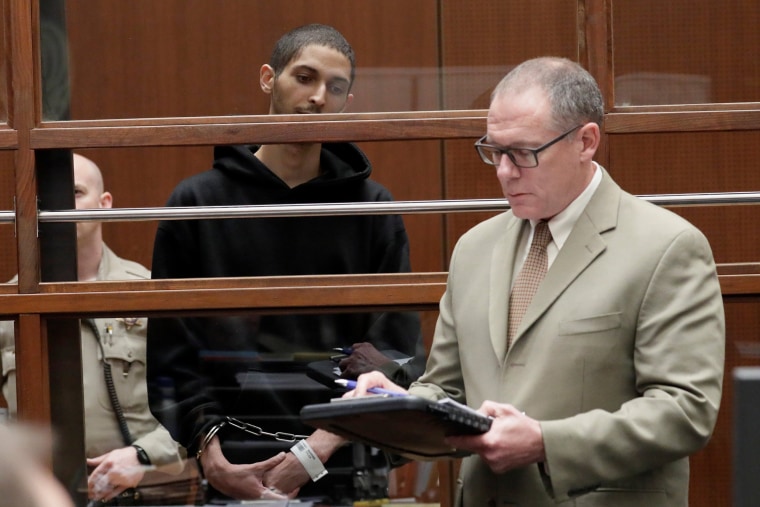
(311, 71)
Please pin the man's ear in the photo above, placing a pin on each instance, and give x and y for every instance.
(106, 200)
(591, 137)
(266, 78)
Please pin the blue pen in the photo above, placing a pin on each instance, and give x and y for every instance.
(344, 350)
(351, 384)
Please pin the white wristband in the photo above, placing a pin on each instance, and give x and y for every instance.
(309, 460)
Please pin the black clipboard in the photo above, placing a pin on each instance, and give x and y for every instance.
(326, 371)
(409, 426)
(323, 372)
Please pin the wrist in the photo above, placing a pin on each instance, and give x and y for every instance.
(210, 434)
(142, 456)
(309, 460)
(325, 444)
(213, 464)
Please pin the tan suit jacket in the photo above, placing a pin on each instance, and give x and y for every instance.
(620, 355)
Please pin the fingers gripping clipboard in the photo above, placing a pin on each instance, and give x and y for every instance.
(410, 426)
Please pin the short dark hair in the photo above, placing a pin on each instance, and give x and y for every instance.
(292, 43)
(574, 96)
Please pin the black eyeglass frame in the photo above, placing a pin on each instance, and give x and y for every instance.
(508, 151)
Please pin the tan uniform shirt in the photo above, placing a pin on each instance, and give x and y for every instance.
(124, 344)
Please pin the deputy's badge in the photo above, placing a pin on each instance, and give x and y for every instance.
(130, 322)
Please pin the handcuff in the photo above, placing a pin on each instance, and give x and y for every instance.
(301, 450)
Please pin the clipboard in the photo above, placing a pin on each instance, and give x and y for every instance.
(409, 426)
(327, 372)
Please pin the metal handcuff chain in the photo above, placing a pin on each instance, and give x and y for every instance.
(251, 429)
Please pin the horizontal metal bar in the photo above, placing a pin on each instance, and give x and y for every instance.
(710, 199)
(277, 211)
(360, 208)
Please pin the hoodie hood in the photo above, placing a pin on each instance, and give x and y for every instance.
(341, 163)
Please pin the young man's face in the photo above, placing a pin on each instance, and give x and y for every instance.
(315, 81)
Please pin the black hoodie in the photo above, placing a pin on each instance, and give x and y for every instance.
(280, 246)
(267, 247)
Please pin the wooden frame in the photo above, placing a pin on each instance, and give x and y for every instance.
(35, 303)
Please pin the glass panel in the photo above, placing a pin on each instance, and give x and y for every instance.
(254, 374)
(8, 264)
(54, 61)
(3, 69)
(643, 164)
(686, 51)
(483, 39)
(410, 170)
(262, 369)
(697, 163)
(202, 57)
(467, 177)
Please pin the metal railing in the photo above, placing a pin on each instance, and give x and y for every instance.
(353, 208)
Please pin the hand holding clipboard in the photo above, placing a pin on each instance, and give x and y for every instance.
(407, 425)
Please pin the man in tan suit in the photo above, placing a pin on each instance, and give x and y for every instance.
(614, 373)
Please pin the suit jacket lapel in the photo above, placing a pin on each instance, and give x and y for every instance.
(502, 263)
(583, 245)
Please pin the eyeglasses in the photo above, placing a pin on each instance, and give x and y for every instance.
(521, 157)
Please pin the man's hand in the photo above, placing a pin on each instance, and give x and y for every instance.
(242, 482)
(114, 472)
(364, 358)
(290, 475)
(514, 440)
(373, 379)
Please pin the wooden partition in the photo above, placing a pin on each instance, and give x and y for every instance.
(152, 86)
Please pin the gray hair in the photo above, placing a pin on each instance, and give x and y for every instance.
(574, 96)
